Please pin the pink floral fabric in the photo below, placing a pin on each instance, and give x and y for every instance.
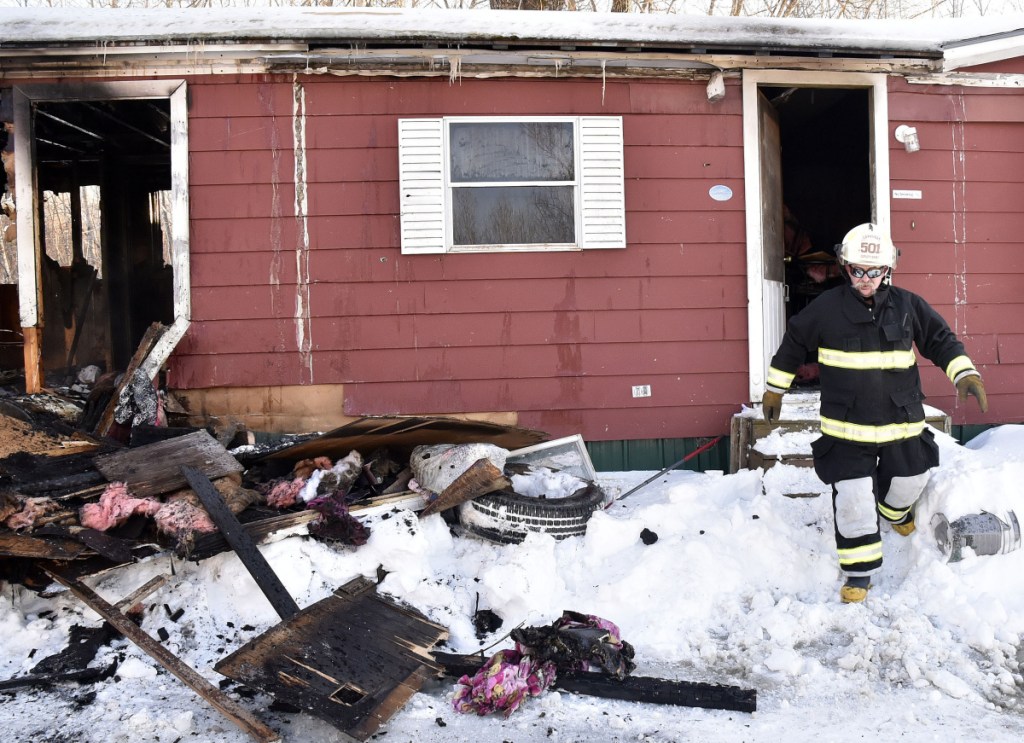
(502, 684)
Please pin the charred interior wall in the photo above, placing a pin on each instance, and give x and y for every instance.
(104, 277)
(11, 345)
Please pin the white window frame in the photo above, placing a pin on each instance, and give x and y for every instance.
(426, 191)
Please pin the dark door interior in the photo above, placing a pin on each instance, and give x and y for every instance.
(104, 177)
(825, 138)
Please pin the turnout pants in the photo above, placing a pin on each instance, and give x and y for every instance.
(869, 481)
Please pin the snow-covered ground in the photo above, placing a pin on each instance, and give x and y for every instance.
(740, 588)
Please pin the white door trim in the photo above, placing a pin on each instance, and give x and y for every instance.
(759, 356)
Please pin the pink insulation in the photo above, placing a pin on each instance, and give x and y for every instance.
(116, 506)
(33, 510)
(285, 493)
(179, 518)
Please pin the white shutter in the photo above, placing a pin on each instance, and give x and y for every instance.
(602, 182)
(421, 185)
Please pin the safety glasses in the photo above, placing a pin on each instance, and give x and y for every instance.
(872, 273)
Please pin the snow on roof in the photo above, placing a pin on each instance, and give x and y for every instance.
(101, 26)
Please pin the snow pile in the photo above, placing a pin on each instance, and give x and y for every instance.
(739, 587)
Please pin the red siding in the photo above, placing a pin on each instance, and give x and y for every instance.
(561, 338)
(962, 241)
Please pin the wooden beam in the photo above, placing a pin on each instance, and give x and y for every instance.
(133, 598)
(240, 716)
(242, 543)
(24, 545)
(202, 546)
(152, 335)
(33, 359)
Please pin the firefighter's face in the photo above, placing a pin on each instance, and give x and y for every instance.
(865, 284)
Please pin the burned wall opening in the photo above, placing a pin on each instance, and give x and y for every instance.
(103, 184)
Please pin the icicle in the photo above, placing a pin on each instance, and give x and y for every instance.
(455, 64)
(604, 79)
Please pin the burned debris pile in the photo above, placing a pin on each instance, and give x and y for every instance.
(110, 501)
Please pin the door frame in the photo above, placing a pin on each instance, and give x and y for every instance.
(27, 202)
(758, 291)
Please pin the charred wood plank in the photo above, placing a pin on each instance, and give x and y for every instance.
(240, 716)
(129, 602)
(152, 335)
(207, 545)
(155, 469)
(45, 679)
(37, 548)
(111, 547)
(53, 475)
(631, 688)
(63, 483)
(146, 434)
(243, 544)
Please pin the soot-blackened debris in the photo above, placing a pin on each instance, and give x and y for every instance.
(441, 723)
(485, 622)
(648, 537)
(278, 706)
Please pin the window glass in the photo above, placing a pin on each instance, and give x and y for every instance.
(509, 215)
(511, 151)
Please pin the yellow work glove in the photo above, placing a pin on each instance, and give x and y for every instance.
(972, 385)
(771, 405)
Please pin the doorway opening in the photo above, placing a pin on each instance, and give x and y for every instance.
(101, 185)
(816, 151)
(826, 184)
(103, 173)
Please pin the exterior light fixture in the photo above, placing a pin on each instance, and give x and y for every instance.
(907, 135)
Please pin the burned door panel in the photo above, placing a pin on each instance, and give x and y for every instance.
(352, 659)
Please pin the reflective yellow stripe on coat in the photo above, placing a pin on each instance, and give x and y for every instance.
(779, 379)
(866, 359)
(871, 434)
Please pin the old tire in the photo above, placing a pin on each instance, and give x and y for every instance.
(506, 516)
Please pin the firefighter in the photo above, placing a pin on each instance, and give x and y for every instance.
(875, 449)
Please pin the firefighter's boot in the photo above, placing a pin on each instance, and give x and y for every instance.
(855, 590)
(906, 527)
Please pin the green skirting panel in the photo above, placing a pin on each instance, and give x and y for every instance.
(657, 454)
(966, 432)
